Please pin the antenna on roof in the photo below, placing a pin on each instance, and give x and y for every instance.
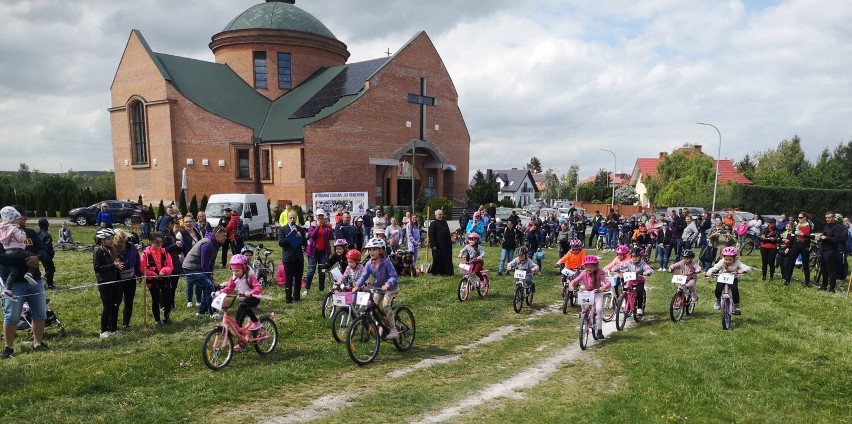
(388, 52)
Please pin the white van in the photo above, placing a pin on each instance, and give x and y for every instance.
(250, 207)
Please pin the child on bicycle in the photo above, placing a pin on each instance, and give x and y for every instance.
(622, 256)
(642, 270)
(688, 267)
(474, 254)
(338, 257)
(729, 263)
(247, 287)
(643, 240)
(524, 263)
(384, 278)
(572, 262)
(353, 271)
(593, 279)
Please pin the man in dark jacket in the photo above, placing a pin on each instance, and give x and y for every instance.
(368, 224)
(597, 221)
(512, 237)
(47, 241)
(293, 239)
(832, 238)
(345, 230)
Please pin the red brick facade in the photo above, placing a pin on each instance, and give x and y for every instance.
(337, 150)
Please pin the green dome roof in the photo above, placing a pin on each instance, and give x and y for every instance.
(279, 15)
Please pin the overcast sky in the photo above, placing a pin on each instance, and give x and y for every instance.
(558, 79)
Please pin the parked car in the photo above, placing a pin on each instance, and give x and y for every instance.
(694, 211)
(503, 213)
(122, 213)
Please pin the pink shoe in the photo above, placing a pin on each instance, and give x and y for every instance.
(255, 326)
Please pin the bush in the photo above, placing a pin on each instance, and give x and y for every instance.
(775, 200)
(161, 209)
(439, 202)
(193, 206)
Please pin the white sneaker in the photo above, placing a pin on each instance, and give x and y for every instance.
(393, 334)
(216, 317)
(105, 334)
(304, 292)
(717, 305)
(188, 304)
(661, 269)
(639, 311)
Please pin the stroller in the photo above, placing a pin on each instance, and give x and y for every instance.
(26, 322)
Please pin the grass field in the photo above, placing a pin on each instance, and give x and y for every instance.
(787, 359)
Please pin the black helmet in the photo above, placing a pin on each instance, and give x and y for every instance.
(523, 251)
(688, 254)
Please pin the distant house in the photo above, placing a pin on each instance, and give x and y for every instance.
(517, 185)
(647, 167)
(618, 179)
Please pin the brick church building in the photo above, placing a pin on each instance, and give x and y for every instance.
(280, 112)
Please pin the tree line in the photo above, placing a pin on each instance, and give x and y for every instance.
(55, 194)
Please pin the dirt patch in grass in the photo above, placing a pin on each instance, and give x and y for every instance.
(319, 408)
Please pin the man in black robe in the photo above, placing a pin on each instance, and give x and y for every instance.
(441, 244)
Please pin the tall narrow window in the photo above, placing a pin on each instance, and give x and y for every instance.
(285, 76)
(260, 73)
(265, 165)
(138, 139)
(243, 164)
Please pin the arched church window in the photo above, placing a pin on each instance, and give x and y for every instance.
(138, 135)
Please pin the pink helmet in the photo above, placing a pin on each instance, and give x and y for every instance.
(476, 214)
(340, 242)
(239, 262)
(576, 244)
(474, 236)
(622, 250)
(729, 251)
(590, 260)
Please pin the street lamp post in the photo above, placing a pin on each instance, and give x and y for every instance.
(718, 159)
(612, 182)
(577, 185)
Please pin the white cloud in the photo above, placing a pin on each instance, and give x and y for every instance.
(554, 79)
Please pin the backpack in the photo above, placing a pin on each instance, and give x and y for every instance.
(242, 230)
(742, 228)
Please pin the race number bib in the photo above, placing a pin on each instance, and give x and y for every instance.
(629, 276)
(586, 297)
(726, 278)
(336, 274)
(363, 299)
(679, 279)
(464, 267)
(218, 301)
(520, 274)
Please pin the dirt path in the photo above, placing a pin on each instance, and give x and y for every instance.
(512, 387)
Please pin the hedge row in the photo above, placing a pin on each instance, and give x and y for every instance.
(775, 200)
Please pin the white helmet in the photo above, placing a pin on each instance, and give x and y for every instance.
(104, 233)
(375, 242)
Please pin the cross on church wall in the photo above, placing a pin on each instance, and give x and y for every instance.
(423, 100)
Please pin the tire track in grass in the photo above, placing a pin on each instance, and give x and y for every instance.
(512, 387)
(319, 408)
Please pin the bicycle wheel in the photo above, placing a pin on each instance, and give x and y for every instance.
(690, 306)
(362, 340)
(726, 313)
(608, 310)
(748, 247)
(530, 295)
(406, 327)
(676, 309)
(565, 300)
(601, 245)
(327, 306)
(584, 332)
(518, 300)
(464, 291)
(484, 286)
(621, 312)
(267, 336)
(572, 297)
(217, 349)
(339, 323)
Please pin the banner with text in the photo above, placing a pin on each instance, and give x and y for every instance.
(354, 202)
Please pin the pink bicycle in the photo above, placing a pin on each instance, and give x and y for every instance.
(217, 349)
(469, 281)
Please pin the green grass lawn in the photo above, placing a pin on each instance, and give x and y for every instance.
(787, 359)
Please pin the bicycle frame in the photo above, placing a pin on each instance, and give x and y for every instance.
(588, 317)
(243, 333)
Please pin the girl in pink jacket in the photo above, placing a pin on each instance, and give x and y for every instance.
(247, 287)
(593, 279)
